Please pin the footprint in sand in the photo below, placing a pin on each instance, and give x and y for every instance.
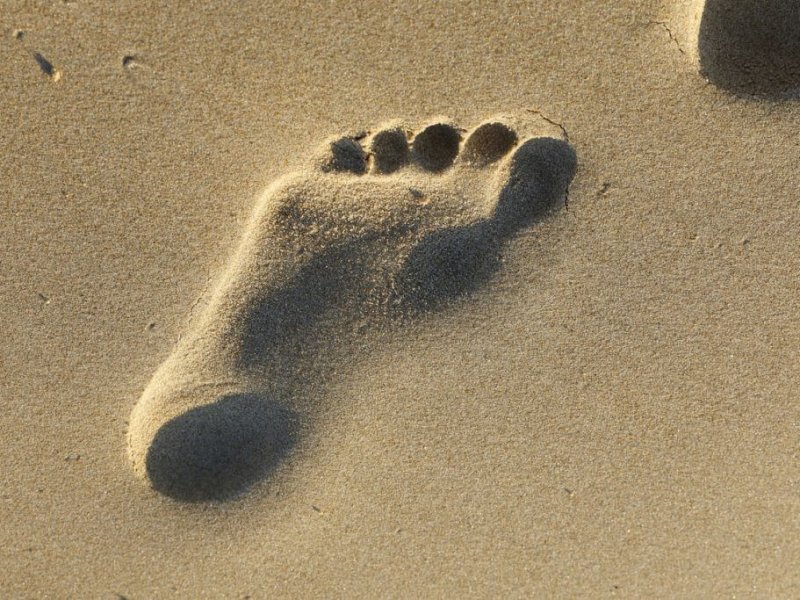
(750, 47)
(377, 229)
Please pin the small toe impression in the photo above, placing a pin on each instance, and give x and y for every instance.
(436, 147)
(216, 451)
(541, 169)
(488, 144)
(344, 155)
(389, 150)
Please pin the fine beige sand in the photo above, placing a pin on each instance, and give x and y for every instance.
(387, 299)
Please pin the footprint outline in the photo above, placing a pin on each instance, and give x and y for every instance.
(423, 215)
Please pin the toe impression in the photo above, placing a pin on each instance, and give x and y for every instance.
(343, 155)
(539, 173)
(435, 148)
(488, 143)
(389, 150)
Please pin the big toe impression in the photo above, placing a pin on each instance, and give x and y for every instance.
(539, 173)
(218, 450)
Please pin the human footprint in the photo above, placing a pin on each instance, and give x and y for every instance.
(377, 227)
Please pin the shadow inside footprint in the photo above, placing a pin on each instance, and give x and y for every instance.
(445, 265)
(458, 260)
(275, 321)
(751, 46)
(216, 451)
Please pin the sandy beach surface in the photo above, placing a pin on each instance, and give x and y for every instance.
(608, 409)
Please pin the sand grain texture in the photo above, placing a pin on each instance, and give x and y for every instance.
(612, 412)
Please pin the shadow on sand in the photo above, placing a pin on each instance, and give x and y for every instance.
(215, 452)
(752, 47)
